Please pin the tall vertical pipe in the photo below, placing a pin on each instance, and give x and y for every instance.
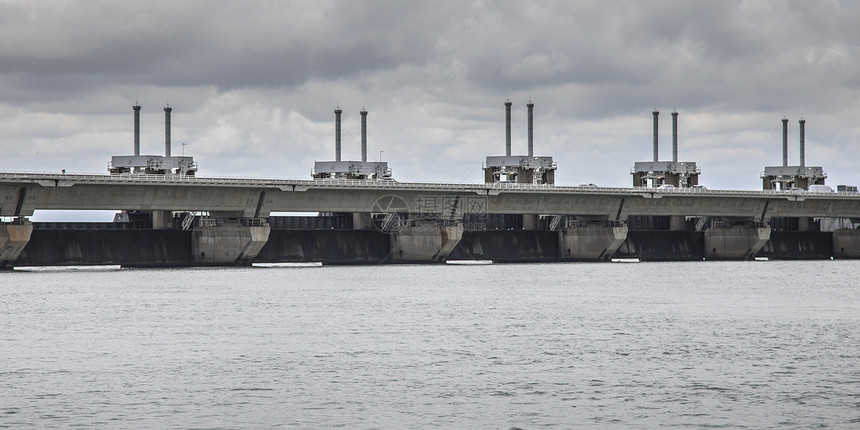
(675, 136)
(656, 113)
(167, 110)
(337, 112)
(784, 141)
(363, 135)
(802, 142)
(508, 128)
(136, 108)
(531, 107)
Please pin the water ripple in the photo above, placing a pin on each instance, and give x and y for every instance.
(505, 346)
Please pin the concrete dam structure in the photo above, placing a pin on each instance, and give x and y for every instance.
(190, 220)
(170, 216)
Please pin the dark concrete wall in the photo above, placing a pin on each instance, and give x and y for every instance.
(507, 246)
(798, 245)
(663, 246)
(125, 247)
(327, 246)
(165, 248)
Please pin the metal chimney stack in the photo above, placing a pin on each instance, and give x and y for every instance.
(363, 135)
(675, 136)
(656, 113)
(136, 108)
(167, 110)
(508, 128)
(784, 141)
(531, 107)
(802, 142)
(337, 112)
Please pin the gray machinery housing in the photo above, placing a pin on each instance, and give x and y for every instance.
(152, 164)
(338, 169)
(787, 177)
(655, 173)
(521, 169)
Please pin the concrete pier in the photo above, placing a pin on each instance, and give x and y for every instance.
(234, 243)
(361, 221)
(228, 242)
(13, 238)
(736, 242)
(162, 220)
(591, 242)
(677, 223)
(424, 243)
(846, 243)
(805, 223)
(530, 222)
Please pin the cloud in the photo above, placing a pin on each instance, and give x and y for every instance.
(253, 84)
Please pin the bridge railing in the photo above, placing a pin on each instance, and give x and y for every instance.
(140, 178)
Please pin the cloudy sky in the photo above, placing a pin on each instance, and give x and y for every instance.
(253, 84)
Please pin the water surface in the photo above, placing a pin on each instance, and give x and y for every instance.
(703, 344)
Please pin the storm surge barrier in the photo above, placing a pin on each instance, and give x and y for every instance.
(384, 221)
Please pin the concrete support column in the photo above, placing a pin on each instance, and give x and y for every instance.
(530, 222)
(738, 242)
(424, 243)
(337, 113)
(229, 242)
(167, 110)
(488, 175)
(508, 128)
(675, 136)
(846, 243)
(805, 223)
(677, 223)
(593, 242)
(531, 107)
(525, 176)
(136, 109)
(361, 221)
(363, 135)
(802, 142)
(162, 220)
(13, 238)
(785, 141)
(655, 114)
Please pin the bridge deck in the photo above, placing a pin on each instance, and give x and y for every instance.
(67, 180)
(21, 193)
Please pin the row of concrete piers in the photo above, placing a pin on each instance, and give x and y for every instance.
(242, 241)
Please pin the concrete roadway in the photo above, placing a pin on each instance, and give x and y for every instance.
(23, 193)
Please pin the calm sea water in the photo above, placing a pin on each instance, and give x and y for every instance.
(710, 344)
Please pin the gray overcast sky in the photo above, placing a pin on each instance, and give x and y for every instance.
(253, 84)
